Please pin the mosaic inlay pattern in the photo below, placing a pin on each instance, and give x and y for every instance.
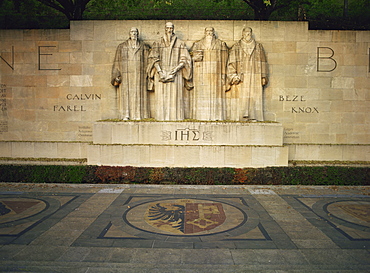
(356, 212)
(12, 209)
(187, 216)
(21, 214)
(345, 220)
(185, 221)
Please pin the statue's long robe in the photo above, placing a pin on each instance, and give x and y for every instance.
(208, 100)
(245, 100)
(130, 66)
(168, 102)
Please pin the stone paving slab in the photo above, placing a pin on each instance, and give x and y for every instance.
(152, 228)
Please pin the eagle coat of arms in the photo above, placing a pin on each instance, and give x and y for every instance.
(185, 216)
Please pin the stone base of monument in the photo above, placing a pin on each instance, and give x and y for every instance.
(187, 144)
(34, 152)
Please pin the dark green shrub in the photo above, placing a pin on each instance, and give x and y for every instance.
(297, 175)
(42, 173)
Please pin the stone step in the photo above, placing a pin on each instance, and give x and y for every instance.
(240, 156)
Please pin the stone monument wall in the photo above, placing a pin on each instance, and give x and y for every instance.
(55, 84)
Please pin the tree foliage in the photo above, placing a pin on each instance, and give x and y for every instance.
(263, 8)
(168, 10)
(30, 14)
(321, 14)
(73, 9)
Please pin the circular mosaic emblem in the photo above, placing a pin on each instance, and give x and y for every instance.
(13, 209)
(185, 217)
(356, 212)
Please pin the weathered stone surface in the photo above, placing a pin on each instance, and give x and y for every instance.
(248, 73)
(128, 76)
(170, 75)
(55, 82)
(192, 133)
(188, 144)
(210, 83)
(187, 156)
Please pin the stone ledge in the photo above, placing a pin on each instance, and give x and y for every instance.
(186, 145)
(187, 156)
(43, 149)
(329, 152)
(329, 163)
(42, 161)
(188, 133)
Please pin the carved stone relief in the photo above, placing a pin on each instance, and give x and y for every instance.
(190, 85)
(128, 76)
(247, 72)
(210, 57)
(170, 73)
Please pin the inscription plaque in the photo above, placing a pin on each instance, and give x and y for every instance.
(187, 134)
(3, 106)
(290, 133)
(85, 131)
(3, 126)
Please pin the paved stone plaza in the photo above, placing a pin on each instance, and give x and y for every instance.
(149, 228)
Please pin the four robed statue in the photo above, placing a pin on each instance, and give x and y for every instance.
(168, 83)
